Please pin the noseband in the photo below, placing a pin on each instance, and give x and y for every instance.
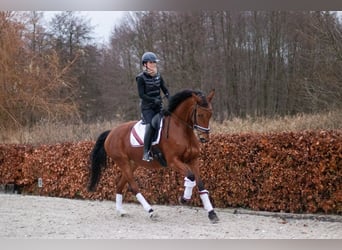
(194, 119)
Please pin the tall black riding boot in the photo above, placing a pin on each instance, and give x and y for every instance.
(147, 142)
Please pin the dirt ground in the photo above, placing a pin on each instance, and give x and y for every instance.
(24, 216)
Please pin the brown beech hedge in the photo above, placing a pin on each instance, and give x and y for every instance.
(298, 172)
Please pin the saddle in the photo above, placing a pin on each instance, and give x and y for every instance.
(137, 137)
(138, 131)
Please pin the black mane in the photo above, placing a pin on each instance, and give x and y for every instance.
(181, 96)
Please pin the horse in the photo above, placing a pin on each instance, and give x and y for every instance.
(186, 124)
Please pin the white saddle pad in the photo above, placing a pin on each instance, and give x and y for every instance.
(137, 134)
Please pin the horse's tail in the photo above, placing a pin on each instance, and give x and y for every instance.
(98, 158)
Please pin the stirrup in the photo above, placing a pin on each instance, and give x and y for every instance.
(147, 157)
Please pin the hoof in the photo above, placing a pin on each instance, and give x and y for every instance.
(183, 201)
(122, 213)
(213, 217)
(152, 215)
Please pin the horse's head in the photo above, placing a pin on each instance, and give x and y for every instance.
(202, 114)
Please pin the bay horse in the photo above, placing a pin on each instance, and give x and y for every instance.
(188, 112)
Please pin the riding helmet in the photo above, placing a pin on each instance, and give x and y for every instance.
(149, 57)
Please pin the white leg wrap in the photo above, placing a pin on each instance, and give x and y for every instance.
(205, 200)
(189, 185)
(118, 203)
(118, 200)
(143, 202)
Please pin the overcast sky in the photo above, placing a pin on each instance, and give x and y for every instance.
(103, 21)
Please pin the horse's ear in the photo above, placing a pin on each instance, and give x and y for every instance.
(211, 95)
(197, 97)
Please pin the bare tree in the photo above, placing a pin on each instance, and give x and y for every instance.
(264, 63)
(32, 87)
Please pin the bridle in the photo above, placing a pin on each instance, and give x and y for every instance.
(194, 120)
(194, 125)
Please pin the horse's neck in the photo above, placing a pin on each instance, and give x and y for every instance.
(184, 112)
(183, 117)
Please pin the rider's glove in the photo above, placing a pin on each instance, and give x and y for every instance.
(157, 101)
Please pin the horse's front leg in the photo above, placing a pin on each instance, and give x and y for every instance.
(189, 180)
(192, 178)
(189, 184)
(204, 195)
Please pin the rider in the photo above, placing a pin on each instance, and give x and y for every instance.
(150, 83)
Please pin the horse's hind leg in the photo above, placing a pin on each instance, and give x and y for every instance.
(127, 171)
(118, 199)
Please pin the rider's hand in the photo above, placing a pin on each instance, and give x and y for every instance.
(157, 101)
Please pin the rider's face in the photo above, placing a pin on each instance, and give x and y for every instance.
(151, 68)
(151, 65)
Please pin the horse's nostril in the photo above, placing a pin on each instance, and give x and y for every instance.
(203, 140)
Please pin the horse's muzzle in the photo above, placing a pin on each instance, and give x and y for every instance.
(203, 140)
(202, 133)
(203, 137)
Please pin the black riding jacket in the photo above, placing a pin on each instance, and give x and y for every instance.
(149, 89)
